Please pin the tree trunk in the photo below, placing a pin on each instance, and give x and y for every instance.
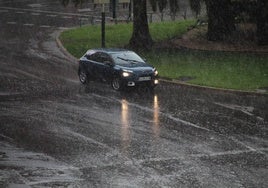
(141, 38)
(220, 19)
(262, 22)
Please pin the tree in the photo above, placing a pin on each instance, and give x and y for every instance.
(195, 6)
(154, 4)
(220, 19)
(141, 37)
(162, 4)
(222, 13)
(174, 7)
(262, 22)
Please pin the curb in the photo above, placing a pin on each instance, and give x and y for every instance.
(176, 82)
(63, 49)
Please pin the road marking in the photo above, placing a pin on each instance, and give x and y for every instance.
(12, 23)
(176, 119)
(66, 17)
(51, 15)
(63, 28)
(28, 24)
(20, 12)
(35, 14)
(35, 5)
(245, 109)
(47, 12)
(85, 138)
(3, 11)
(180, 158)
(45, 26)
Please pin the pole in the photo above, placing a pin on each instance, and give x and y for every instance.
(114, 9)
(103, 26)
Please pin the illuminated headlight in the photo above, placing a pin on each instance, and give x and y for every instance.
(126, 73)
(155, 72)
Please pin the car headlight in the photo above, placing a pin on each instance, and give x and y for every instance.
(155, 72)
(126, 73)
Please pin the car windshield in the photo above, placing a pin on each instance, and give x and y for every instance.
(124, 58)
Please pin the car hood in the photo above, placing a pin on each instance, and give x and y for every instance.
(137, 67)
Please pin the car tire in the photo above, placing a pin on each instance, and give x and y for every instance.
(83, 77)
(117, 84)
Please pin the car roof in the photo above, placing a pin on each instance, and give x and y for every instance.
(107, 50)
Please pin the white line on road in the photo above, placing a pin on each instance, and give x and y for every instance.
(35, 14)
(176, 119)
(3, 11)
(45, 26)
(51, 15)
(63, 28)
(47, 12)
(19, 12)
(66, 17)
(11, 23)
(28, 24)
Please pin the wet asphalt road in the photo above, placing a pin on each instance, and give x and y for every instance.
(54, 132)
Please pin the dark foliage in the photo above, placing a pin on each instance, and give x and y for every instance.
(220, 19)
(262, 22)
(195, 6)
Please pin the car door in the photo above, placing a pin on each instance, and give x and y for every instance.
(107, 67)
(99, 65)
(102, 65)
(92, 64)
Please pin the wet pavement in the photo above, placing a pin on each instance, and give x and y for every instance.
(55, 132)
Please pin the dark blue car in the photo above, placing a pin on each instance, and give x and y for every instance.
(119, 67)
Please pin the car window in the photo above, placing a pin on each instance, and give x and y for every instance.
(124, 58)
(89, 54)
(94, 57)
(105, 58)
(99, 57)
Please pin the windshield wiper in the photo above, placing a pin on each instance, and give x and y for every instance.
(130, 60)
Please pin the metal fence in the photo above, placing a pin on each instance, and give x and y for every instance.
(91, 14)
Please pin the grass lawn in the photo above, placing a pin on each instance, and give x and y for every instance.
(217, 69)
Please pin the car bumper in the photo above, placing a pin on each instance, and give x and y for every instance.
(132, 83)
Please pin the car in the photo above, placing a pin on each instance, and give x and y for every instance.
(120, 67)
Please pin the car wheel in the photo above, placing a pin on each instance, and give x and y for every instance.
(116, 84)
(83, 76)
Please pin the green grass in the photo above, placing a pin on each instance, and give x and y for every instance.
(78, 41)
(217, 69)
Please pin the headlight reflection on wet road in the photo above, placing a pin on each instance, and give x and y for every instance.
(156, 128)
(125, 122)
(125, 132)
